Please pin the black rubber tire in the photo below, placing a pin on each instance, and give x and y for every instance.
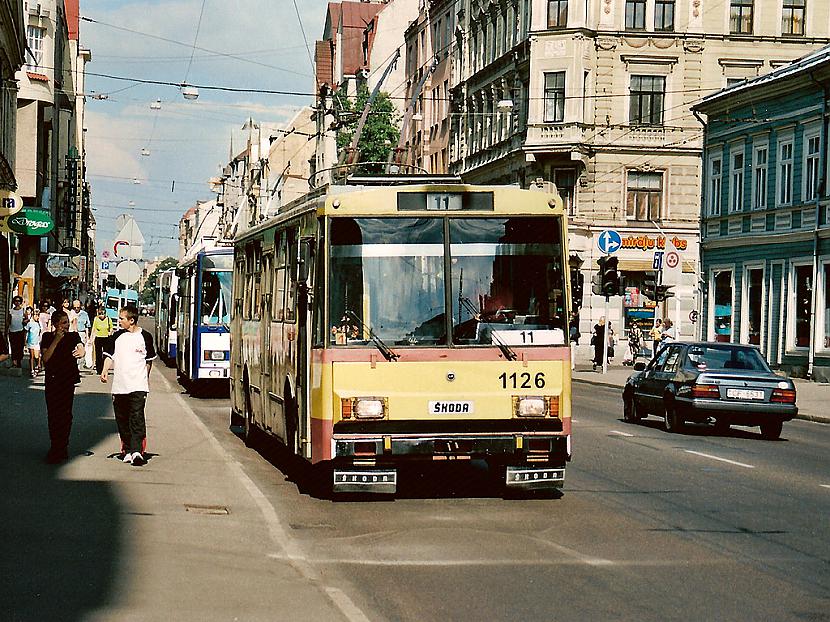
(771, 430)
(672, 422)
(630, 413)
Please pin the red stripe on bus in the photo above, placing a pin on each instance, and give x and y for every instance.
(436, 355)
(321, 433)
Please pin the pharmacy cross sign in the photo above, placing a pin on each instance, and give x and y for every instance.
(609, 241)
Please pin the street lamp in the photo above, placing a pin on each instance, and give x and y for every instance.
(189, 92)
(156, 105)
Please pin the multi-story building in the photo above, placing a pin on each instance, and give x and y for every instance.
(50, 165)
(596, 97)
(199, 227)
(289, 160)
(12, 44)
(765, 247)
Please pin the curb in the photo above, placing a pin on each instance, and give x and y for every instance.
(610, 385)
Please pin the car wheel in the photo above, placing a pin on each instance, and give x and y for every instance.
(673, 421)
(630, 413)
(772, 430)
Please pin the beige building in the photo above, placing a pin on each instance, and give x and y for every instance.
(289, 156)
(595, 96)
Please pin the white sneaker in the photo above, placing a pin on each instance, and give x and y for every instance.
(138, 459)
(128, 458)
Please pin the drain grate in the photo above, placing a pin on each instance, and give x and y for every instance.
(211, 510)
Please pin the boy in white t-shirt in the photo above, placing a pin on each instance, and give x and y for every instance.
(130, 352)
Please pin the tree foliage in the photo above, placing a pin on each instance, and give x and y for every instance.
(148, 294)
(380, 133)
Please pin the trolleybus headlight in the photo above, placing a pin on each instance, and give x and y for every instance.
(527, 406)
(363, 408)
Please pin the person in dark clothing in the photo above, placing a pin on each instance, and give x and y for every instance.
(60, 349)
(597, 340)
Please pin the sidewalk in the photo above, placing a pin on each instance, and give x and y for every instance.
(813, 398)
(96, 539)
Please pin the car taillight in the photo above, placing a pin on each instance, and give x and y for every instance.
(709, 391)
(783, 396)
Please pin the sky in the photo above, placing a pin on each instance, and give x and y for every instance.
(244, 44)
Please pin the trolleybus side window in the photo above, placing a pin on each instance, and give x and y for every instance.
(291, 275)
(507, 281)
(279, 279)
(387, 276)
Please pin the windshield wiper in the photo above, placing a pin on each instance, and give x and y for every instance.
(385, 350)
(508, 353)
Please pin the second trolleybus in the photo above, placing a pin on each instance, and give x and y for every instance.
(166, 314)
(374, 326)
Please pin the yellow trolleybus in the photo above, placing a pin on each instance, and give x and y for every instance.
(378, 324)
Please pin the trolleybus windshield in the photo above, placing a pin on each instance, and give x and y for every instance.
(388, 276)
(216, 297)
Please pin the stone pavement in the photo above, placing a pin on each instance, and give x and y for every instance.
(181, 538)
(812, 398)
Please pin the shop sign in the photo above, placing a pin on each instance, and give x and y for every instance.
(61, 265)
(10, 203)
(29, 221)
(652, 243)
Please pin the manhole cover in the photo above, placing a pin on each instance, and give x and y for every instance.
(214, 510)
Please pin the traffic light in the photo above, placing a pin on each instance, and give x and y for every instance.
(596, 280)
(650, 286)
(610, 277)
(577, 290)
(663, 292)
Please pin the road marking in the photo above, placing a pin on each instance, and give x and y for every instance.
(825, 485)
(740, 464)
(621, 433)
(293, 551)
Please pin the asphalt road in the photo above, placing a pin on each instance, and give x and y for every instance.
(651, 526)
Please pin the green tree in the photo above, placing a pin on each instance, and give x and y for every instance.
(380, 133)
(148, 294)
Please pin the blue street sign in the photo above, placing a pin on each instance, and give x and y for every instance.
(105, 266)
(657, 264)
(609, 241)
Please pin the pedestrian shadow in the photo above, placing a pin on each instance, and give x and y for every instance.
(62, 538)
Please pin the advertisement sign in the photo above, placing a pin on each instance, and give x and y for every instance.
(29, 221)
(61, 265)
(10, 203)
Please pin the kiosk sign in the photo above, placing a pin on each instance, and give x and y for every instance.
(29, 221)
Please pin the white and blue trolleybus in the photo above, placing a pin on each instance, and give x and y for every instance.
(166, 315)
(203, 320)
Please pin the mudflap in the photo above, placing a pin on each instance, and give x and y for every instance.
(371, 480)
(527, 477)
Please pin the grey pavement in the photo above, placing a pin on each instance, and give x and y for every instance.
(95, 539)
(812, 398)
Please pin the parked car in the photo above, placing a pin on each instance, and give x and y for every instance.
(702, 381)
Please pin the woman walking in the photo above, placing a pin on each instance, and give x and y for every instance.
(17, 330)
(101, 329)
(60, 351)
(33, 342)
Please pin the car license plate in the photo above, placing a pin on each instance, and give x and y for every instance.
(745, 394)
(451, 408)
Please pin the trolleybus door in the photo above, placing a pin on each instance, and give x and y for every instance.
(305, 269)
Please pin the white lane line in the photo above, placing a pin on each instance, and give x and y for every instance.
(698, 453)
(293, 551)
(621, 433)
(825, 485)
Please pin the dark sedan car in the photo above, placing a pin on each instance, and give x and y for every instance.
(700, 381)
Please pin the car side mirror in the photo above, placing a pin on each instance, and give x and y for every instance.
(639, 366)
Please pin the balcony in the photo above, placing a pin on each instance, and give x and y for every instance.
(552, 134)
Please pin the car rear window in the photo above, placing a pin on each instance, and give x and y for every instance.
(726, 358)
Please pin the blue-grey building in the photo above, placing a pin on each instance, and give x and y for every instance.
(765, 223)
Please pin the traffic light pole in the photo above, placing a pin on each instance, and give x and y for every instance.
(605, 337)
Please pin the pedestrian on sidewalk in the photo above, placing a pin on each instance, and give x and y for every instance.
(101, 329)
(573, 337)
(45, 318)
(656, 333)
(635, 341)
(669, 333)
(597, 340)
(83, 324)
(130, 353)
(60, 351)
(33, 331)
(17, 330)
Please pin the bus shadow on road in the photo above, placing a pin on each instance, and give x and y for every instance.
(703, 429)
(456, 479)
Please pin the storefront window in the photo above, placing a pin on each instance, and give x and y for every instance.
(803, 289)
(638, 309)
(723, 306)
(755, 294)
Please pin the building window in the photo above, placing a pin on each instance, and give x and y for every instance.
(811, 166)
(645, 196)
(736, 190)
(785, 173)
(722, 314)
(730, 82)
(754, 304)
(635, 14)
(740, 17)
(565, 180)
(557, 13)
(647, 100)
(34, 44)
(802, 298)
(714, 197)
(555, 97)
(664, 15)
(759, 177)
(792, 17)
